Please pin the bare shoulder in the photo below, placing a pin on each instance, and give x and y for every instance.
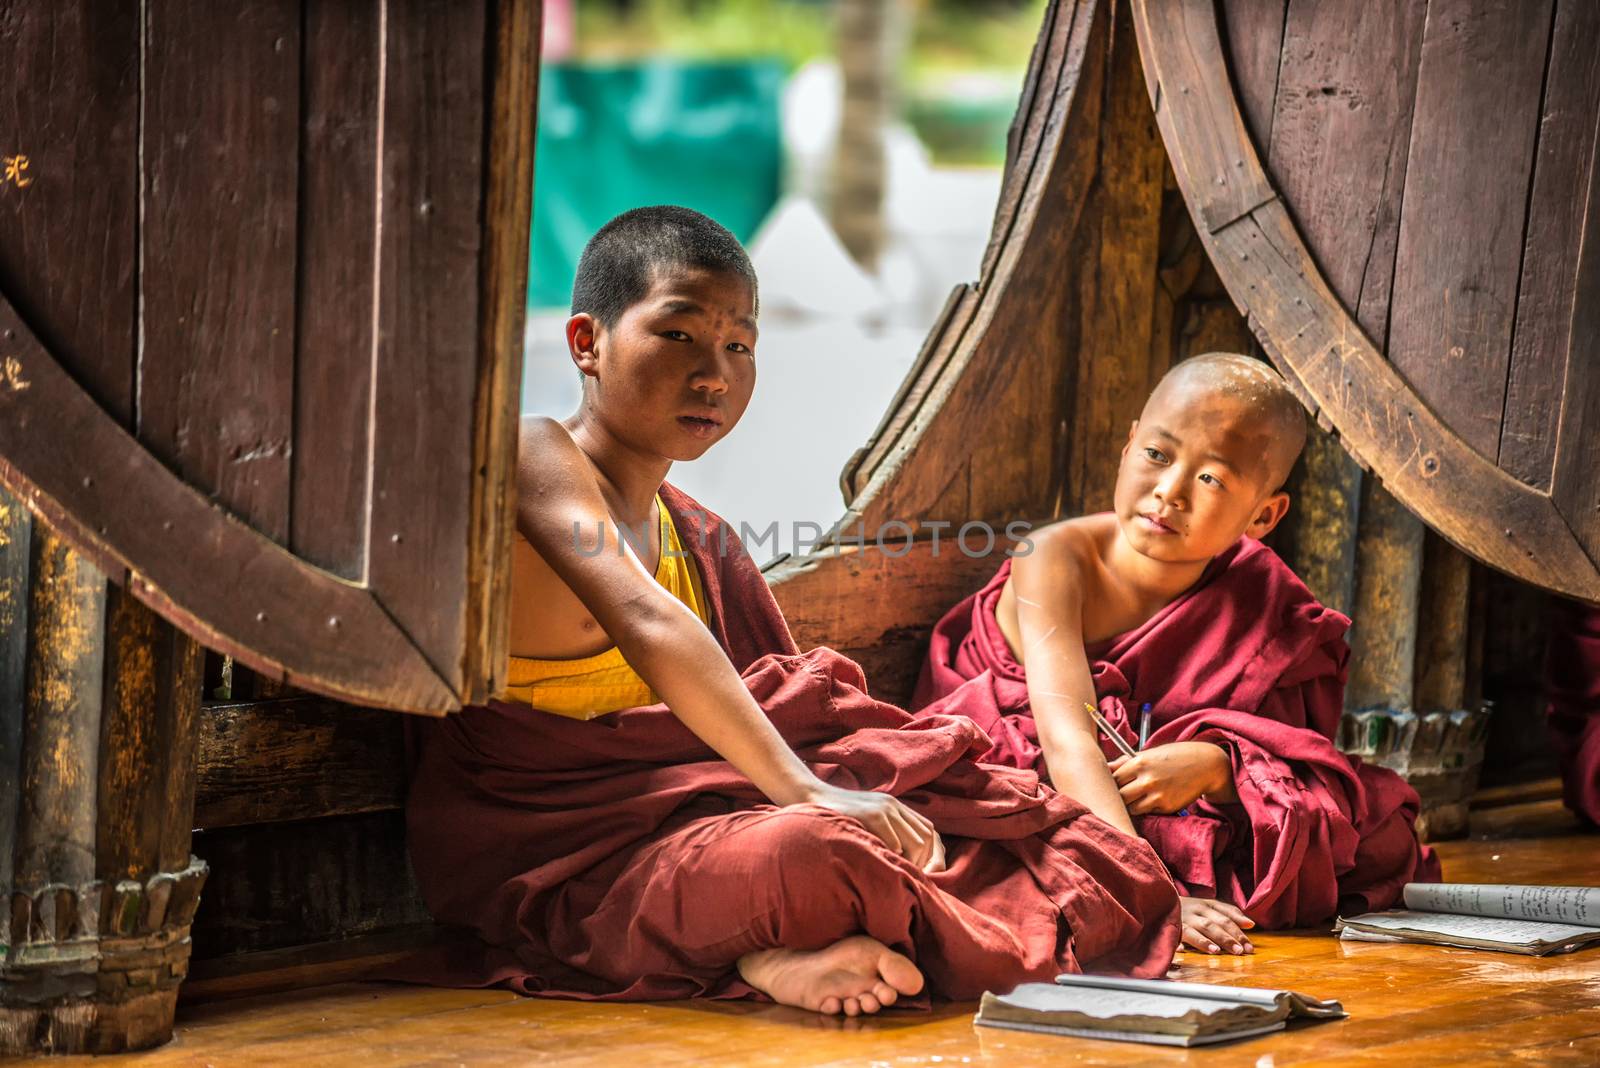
(1066, 558)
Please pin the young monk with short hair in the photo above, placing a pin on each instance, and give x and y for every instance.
(1170, 601)
(674, 802)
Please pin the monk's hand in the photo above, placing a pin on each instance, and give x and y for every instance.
(1168, 778)
(899, 827)
(1214, 926)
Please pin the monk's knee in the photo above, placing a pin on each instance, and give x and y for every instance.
(810, 843)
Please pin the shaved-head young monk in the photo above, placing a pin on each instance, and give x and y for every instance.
(671, 800)
(1170, 617)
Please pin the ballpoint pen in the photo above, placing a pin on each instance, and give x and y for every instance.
(1144, 725)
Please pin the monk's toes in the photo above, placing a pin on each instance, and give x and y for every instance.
(898, 971)
(852, 1007)
(830, 1005)
(885, 994)
(869, 1004)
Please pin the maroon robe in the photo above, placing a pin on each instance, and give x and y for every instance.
(1246, 659)
(1572, 688)
(621, 858)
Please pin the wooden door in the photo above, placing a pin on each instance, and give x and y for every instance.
(261, 287)
(1402, 198)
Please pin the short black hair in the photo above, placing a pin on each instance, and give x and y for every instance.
(620, 262)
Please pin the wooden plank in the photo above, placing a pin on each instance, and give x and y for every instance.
(16, 537)
(1563, 175)
(145, 800)
(508, 210)
(1339, 140)
(254, 600)
(55, 831)
(289, 884)
(1575, 489)
(1466, 196)
(1116, 374)
(1255, 35)
(296, 759)
(1312, 339)
(220, 148)
(1443, 618)
(337, 244)
(878, 608)
(321, 964)
(938, 470)
(1191, 96)
(67, 235)
(431, 155)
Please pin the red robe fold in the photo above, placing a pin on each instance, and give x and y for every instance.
(1246, 659)
(1572, 688)
(621, 858)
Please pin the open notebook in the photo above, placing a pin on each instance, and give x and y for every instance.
(1148, 1010)
(1536, 920)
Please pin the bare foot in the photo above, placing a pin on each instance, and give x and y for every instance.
(852, 976)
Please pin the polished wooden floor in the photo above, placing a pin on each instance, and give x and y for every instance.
(1408, 1005)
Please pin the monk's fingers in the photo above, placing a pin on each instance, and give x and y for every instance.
(1234, 913)
(882, 824)
(1125, 771)
(918, 820)
(1221, 931)
(1195, 938)
(1117, 763)
(936, 860)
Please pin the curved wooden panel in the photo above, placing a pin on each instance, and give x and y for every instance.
(265, 323)
(185, 556)
(1341, 374)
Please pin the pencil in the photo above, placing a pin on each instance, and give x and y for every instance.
(1100, 721)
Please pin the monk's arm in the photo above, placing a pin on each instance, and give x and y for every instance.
(562, 514)
(1049, 593)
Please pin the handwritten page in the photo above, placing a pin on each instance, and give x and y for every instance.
(1484, 928)
(1553, 904)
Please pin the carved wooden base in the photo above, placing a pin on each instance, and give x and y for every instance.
(95, 968)
(1438, 753)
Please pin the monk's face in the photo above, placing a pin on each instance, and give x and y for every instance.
(1198, 471)
(674, 374)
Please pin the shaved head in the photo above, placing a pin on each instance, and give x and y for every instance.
(1255, 389)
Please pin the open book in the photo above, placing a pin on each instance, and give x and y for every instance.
(1535, 920)
(1148, 1010)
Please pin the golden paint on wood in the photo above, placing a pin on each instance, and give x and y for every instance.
(61, 732)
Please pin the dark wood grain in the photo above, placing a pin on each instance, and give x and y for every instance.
(295, 759)
(337, 246)
(1340, 134)
(290, 884)
(1313, 340)
(67, 238)
(1576, 488)
(428, 306)
(1255, 34)
(253, 600)
(220, 146)
(1542, 346)
(1461, 228)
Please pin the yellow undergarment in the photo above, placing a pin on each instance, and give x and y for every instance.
(594, 685)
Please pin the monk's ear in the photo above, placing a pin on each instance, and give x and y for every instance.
(583, 339)
(1268, 515)
(1133, 428)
